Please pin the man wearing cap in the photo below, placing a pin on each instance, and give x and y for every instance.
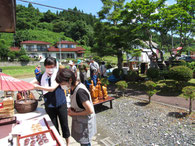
(73, 68)
(94, 70)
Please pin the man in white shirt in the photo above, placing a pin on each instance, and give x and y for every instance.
(73, 68)
(94, 70)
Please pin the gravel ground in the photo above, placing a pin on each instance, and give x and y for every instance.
(131, 122)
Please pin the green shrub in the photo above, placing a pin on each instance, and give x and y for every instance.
(12, 55)
(122, 85)
(132, 76)
(153, 73)
(98, 59)
(108, 65)
(189, 93)
(24, 58)
(182, 63)
(118, 73)
(104, 81)
(191, 65)
(181, 73)
(150, 89)
(164, 74)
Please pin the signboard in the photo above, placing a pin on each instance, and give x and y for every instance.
(7, 15)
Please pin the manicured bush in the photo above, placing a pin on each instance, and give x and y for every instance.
(150, 89)
(118, 73)
(189, 93)
(132, 76)
(181, 73)
(108, 65)
(24, 58)
(104, 81)
(191, 65)
(182, 63)
(153, 73)
(164, 74)
(122, 85)
(98, 59)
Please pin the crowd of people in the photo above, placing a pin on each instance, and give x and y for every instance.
(54, 81)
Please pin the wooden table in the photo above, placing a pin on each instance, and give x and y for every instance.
(108, 99)
(38, 114)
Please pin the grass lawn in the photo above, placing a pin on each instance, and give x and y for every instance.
(19, 71)
(113, 59)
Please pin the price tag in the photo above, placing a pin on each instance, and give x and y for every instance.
(1, 104)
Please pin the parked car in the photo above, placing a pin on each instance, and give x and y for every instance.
(186, 58)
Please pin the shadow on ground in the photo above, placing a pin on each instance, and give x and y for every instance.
(99, 108)
(177, 114)
(141, 103)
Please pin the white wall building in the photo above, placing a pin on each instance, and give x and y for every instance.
(42, 49)
(144, 57)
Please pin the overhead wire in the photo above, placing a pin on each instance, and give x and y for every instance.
(43, 5)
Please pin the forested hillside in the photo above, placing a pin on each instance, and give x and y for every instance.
(65, 25)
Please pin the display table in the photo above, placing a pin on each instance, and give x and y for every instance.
(39, 114)
(108, 99)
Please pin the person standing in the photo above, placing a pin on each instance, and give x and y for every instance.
(103, 69)
(73, 68)
(94, 70)
(82, 72)
(37, 71)
(82, 110)
(54, 97)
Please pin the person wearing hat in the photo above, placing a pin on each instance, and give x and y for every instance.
(73, 68)
(82, 73)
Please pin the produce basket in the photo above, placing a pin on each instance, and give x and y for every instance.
(25, 102)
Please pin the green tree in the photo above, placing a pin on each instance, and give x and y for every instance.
(122, 85)
(48, 17)
(112, 30)
(189, 93)
(150, 89)
(115, 36)
(3, 50)
(11, 55)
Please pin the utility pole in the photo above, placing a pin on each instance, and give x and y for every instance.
(172, 39)
(60, 50)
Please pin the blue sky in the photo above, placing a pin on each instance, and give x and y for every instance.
(88, 6)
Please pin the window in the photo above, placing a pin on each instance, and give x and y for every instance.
(70, 55)
(41, 47)
(72, 46)
(30, 48)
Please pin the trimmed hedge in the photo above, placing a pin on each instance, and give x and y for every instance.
(118, 73)
(181, 73)
(132, 76)
(153, 73)
(121, 85)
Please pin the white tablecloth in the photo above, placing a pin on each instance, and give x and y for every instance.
(38, 114)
